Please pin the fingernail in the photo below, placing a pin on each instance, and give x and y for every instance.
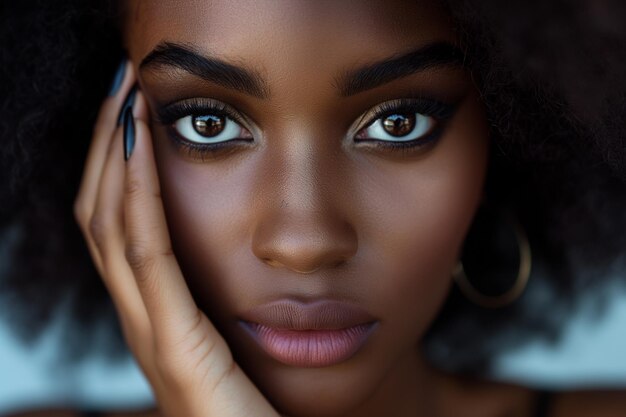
(128, 102)
(116, 83)
(129, 132)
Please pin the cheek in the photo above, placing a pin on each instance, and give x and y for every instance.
(420, 213)
(208, 212)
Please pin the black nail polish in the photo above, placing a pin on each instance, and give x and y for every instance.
(116, 83)
(129, 132)
(128, 102)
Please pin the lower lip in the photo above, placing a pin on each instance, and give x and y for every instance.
(310, 348)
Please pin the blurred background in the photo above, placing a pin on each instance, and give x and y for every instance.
(590, 350)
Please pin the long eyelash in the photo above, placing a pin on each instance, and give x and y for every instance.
(167, 115)
(437, 109)
(442, 112)
(201, 152)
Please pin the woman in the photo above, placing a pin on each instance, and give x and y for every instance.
(300, 185)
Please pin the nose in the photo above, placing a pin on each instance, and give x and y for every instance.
(301, 225)
(304, 242)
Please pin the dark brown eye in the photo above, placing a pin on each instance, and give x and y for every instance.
(399, 125)
(209, 125)
(209, 128)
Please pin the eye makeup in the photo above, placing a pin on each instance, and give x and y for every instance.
(437, 113)
(170, 114)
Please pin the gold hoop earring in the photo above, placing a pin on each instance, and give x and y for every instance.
(512, 294)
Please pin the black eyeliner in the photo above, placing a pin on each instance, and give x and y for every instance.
(438, 110)
(428, 107)
(202, 151)
(429, 139)
(170, 113)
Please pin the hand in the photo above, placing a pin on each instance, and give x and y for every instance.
(120, 212)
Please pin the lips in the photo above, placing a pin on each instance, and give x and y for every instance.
(316, 334)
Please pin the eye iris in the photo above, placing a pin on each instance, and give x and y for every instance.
(399, 124)
(208, 125)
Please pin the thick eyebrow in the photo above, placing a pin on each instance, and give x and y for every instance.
(378, 73)
(212, 69)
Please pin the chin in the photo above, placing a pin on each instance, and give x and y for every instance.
(331, 391)
(319, 395)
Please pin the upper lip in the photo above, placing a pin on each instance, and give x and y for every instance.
(318, 315)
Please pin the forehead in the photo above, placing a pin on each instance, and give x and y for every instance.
(320, 31)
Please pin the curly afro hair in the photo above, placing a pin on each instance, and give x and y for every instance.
(551, 75)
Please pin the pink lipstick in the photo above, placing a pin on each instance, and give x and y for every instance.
(316, 334)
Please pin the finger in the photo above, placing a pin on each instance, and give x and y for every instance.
(103, 130)
(107, 222)
(95, 233)
(172, 312)
(107, 229)
(141, 111)
(170, 306)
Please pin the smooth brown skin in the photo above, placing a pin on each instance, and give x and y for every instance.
(275, 221)
(304, 213)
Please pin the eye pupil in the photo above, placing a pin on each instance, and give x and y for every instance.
(399, 124)
(208, 125)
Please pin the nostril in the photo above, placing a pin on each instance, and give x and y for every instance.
(271, 262)
(306, 272)
(276, 264)
(339, 263)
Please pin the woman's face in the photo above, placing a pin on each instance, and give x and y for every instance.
(313, 151)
